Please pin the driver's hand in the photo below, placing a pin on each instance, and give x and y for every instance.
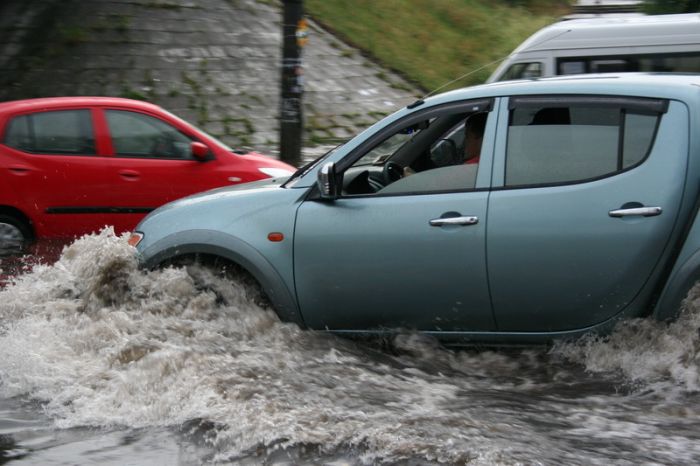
(408, 171)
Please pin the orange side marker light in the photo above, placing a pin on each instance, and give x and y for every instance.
(135, 239)
(275, 237)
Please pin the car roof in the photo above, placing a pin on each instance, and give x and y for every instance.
(656, 85)
(616, 32)
(52, 103)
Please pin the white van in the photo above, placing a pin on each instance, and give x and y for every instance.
(664, 43)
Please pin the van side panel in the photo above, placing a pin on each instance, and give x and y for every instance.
(604, 38)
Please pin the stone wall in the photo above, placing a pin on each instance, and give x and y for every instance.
(215, 63)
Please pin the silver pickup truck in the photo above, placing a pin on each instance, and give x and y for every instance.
(572, 205)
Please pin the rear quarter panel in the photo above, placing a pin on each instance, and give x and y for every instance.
(684, 270)
(8, 180)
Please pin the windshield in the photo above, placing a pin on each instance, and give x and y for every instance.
(310, 166)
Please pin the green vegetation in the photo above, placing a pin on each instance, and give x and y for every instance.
(164, 5)
(120, 22)
(72, 35)
(432, 42)
(130, 93)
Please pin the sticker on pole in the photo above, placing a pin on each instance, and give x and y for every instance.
(302, 33)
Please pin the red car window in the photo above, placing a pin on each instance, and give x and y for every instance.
(138, 135)
(57, 132)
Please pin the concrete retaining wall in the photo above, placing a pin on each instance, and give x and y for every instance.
(215, 63)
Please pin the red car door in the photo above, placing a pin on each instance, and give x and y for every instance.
(153, 164)
(56, 172)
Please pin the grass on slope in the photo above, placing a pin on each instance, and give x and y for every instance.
(432, 42)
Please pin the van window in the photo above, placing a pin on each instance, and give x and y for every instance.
(667, 63)
(522, 71)
(551, 143)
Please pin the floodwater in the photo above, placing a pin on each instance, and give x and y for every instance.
(102, 363)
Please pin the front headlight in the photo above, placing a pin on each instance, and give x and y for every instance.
(275, 172)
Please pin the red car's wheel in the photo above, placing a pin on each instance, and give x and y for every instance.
(15, 234)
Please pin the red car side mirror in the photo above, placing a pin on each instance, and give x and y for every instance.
(199, 150)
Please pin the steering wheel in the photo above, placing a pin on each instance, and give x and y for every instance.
(392, 172)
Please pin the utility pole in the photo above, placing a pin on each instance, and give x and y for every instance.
(294, 37)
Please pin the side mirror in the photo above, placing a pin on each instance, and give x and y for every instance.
(199, 150)
(327, 182)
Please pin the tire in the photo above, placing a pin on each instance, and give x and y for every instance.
(202, 267)
(15, 235)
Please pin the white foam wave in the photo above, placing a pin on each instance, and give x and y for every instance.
(101, 343)
(653, 355)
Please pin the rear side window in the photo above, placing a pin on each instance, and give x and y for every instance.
(58, 132)
(551, 141)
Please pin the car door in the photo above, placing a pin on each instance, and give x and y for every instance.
(56, 171)
(590, 190)
(410, 255)
(152, 164)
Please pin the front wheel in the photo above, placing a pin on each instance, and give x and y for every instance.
(15, 235)
(224, 278)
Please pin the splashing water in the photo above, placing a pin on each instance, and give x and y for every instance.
(101, 343)
(657, 355)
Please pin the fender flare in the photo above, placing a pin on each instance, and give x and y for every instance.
(679, 283)
(233, 249)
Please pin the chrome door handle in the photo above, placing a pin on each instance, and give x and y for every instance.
(469, 220)
(641, 211)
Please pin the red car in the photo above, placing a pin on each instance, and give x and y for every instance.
(71, 165)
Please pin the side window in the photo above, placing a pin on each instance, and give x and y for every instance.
(662, 62)
(522, 71)
(58, 132)
(138, 135)
(552, 143)
(440, 153)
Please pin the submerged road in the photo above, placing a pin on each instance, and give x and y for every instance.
(102, 363)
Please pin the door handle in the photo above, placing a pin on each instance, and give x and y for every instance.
(129, 174)
(636, 211)
(467, 220)
(17, 170)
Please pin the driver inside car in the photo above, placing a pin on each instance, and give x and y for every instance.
(467, 152)
(473, 137)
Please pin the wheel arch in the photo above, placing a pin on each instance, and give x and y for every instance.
(677, 287)
(231, 249)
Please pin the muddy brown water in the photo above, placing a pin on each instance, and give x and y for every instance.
(103, 363)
